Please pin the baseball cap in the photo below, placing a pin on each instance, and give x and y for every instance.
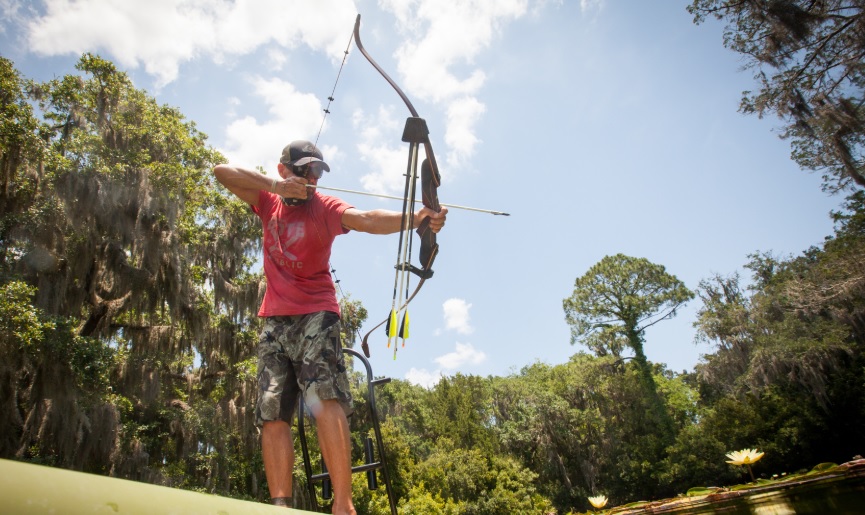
(301, 152)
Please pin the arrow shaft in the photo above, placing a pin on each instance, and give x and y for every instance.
(499, 213)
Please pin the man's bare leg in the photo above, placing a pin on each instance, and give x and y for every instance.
(277, 451)
(333, 436)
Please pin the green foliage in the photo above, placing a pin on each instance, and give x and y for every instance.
(353, 316)
(126, 277)
(127, 329)
(21, 323)
(25, 331)
(421, 501)
(432, 465)
(482, 483)
(617, 299)
(807, 62)
(697, 457)
(783, 376)
(459, 410)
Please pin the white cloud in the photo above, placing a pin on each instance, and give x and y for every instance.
(436, 58)
(10, 14)
(422, 377)
(456, 315)
(459, 136)
(464, 354)
(163, 34)
(277, 58)
(380, 148)
(292, 115)
(441, 37)
(591, 5)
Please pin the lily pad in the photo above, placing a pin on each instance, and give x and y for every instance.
(635, 504)
(746, 486)
(824, 467)
(703, 490)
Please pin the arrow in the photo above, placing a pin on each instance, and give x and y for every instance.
(499, 213)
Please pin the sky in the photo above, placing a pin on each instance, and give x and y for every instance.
(602, 126)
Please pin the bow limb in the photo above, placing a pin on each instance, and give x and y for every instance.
(416, 133)
(380, 69)
(431, 183)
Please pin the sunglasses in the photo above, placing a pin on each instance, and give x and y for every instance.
(312, 169)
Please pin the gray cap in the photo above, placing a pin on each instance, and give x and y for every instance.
(301, 152)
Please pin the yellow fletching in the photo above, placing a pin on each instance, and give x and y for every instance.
(403, 329)
(391, 324)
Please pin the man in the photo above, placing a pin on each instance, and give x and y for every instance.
(299, 349)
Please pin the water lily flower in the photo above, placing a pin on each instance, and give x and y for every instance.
(745, 457)
(598, 501)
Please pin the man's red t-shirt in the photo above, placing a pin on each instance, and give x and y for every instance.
(297, 245)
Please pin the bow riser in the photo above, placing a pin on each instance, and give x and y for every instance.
(416, 134)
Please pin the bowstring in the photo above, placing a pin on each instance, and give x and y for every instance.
(403, 274)
(333, 91)
(326, 111)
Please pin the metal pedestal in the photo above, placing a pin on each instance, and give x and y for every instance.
(370, 453)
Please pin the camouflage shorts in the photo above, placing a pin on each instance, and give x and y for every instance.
(300, 354)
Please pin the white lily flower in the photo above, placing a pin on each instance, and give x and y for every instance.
(744, 457)
(598, 501)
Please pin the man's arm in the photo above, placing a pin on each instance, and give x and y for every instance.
(384, 221)
(247, 183)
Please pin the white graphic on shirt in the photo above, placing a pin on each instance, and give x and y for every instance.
(283, 236)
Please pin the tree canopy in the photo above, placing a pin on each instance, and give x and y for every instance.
(807, 59)
(617, 299)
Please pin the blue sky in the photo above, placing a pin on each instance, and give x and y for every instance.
(603, 127)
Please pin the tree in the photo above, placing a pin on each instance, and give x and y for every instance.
(767, 339)
(725, 321)
(480, 482)
(459, 408)
(618, 298)
(554, 419)
(135, 269)
(786, 372)
(808, 60)
(21, 148)
(585, 428)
